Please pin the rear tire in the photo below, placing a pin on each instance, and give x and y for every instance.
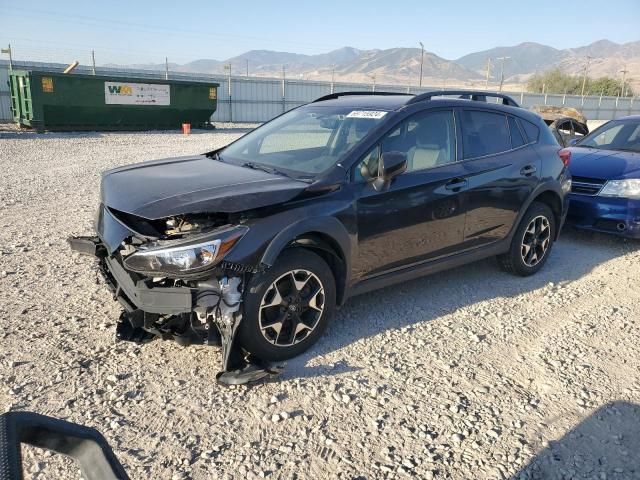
(287, 308)
(532, 243)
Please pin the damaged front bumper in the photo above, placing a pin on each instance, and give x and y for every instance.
(203, 311)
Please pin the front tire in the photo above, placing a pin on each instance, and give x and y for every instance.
(287, 308)
(532, 242)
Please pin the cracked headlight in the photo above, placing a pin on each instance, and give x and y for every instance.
(185, 256)
(629, 188)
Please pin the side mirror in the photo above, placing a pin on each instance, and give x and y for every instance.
(392, 164)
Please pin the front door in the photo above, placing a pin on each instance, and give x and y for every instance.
(420, 216)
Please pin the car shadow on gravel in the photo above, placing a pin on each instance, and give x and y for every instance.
(604, 445)
(426, 299)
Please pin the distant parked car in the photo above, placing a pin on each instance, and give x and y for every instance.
(605, 194)
(567, 124)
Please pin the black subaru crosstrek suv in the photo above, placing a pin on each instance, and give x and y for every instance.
(254, 245)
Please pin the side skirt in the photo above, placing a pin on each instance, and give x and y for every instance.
(427, 268)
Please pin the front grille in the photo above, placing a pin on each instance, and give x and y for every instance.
(586, 186)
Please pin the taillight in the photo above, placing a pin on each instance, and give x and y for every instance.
(565, 156)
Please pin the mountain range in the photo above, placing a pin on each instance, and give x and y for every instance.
(402, 65)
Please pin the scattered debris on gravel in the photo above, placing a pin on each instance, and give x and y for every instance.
(467, 374)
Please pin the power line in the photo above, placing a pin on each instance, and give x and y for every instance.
(113, 25)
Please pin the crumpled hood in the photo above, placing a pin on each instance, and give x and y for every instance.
(174, 186)
(604, 164)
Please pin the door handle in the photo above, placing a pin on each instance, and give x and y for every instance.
(528, 170)
(456, 185)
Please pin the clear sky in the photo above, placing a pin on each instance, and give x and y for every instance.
(147, 31)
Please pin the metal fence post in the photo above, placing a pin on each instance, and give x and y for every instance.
(284, 108)
(230, 102)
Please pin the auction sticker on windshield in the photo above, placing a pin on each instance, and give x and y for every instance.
(376, 115)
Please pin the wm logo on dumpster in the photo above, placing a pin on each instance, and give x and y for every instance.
(120, 90)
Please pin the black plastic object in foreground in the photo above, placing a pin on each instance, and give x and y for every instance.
(85, 445)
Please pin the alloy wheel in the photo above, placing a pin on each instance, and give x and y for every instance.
(536, 241)
(291, 308)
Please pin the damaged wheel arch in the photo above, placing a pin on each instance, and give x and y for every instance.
(325, 236)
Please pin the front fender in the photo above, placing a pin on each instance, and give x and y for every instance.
(268, 236)
(329, 226)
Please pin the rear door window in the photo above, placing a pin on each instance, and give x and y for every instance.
(484, 133)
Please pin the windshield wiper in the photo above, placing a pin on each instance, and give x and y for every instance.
(264, 168)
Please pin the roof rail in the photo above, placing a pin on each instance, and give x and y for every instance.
(480, 96)
(333, 96)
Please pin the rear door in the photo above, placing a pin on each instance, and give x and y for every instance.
(502, 170)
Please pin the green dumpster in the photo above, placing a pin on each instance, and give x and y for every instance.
(58, 101)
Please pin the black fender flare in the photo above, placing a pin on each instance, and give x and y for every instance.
(541, 189)
(325, 226)
(329, 226)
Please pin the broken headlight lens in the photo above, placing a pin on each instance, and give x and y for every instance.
(185, 257)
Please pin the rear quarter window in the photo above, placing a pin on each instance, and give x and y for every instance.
(531, 131)
(484, 133)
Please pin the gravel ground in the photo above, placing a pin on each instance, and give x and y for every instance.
(467, 374)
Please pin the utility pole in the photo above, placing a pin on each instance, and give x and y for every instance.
(228, 68)
(93, 61)
(486, 81)
(333, 76)
(584, 78)
(373, 85)
(8, 50)
(247, 68)
(624, 72)
(166, 68)
(421, 61)
(502, 70)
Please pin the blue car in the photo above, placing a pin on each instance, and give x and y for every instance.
(605, 165)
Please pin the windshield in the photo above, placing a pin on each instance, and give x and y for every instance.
(308, 140)
(616, 135)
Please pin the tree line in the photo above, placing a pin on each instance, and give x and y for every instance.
(556, 81)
